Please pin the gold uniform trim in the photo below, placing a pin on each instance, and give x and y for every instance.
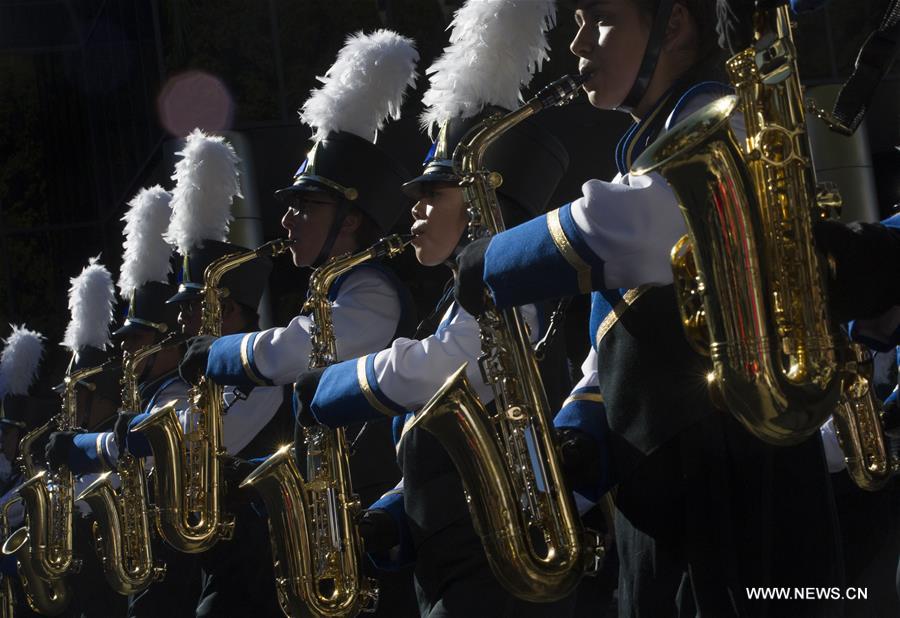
(582, 268)
(367, 390)
(245, 361)
(613, 316)
(595, 397)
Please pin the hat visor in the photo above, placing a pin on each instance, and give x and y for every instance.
(415, 188)
(132, 327)
(184, 295)
(304, 185)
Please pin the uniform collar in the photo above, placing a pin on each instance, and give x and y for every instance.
(642, 133)
(149, 389)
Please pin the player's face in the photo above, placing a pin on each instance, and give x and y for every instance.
(610, 42)
(439, 220)
(189, 313)
(307, 221)
(137, 339)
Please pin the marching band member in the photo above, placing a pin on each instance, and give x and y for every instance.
(87, 336)
(700, 503)
(344, 197)
(144, 285)
(19, 365)
(254, 420)
(495, 49)
(19, 414)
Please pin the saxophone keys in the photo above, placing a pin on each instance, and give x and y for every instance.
(515, 413)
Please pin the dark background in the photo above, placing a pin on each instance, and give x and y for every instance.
(86, 87)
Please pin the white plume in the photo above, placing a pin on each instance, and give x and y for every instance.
(495, 48)
(19, 361)
(91, 299)
(364, 86)
(146, 256)
(206, 183)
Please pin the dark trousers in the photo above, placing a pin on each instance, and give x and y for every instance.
(237, 575)
(453, 580)
(91, 595)
(716, 511)
(175, 596)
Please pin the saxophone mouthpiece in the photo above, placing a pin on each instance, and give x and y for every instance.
(562, 91)
(392, 245)
(276, 247)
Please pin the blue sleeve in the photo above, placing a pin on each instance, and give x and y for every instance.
(404, 553)
(93, 452)
(542, 259)
(231, 362)
(584, 410)
(348, 392)
(137, 442)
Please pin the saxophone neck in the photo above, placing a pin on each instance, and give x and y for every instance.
(131, 364)
(212, 276)
(324, 349)
(324, 276)
(470, 150)
(25, 458)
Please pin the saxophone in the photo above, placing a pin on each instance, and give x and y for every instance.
(859, 428)
(316, 548)
(122, 531)
(43, 547)
(188, 485)
(750, 285)
(8, 602)
(508, 461)
(46, 597)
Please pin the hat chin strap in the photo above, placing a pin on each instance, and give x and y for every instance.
(651, 56)
(343, 209)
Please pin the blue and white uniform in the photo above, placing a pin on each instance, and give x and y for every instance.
(687, 475)
(369, 307)
(404, 376)
(96, 452)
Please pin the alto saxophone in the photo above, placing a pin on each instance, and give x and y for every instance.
(122, 532)
(508, 461)
(750, 285)
(8, 600)
(316, 548)
(859, 428)
(46, 597)
(43, 547)
(188, 485)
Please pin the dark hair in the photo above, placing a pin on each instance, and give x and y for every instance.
(368, 232)
(704, 14)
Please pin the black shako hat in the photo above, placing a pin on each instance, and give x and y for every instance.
(357, 171)
(529, 158)
(106, 382)
(245, 284)
(148, 310)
